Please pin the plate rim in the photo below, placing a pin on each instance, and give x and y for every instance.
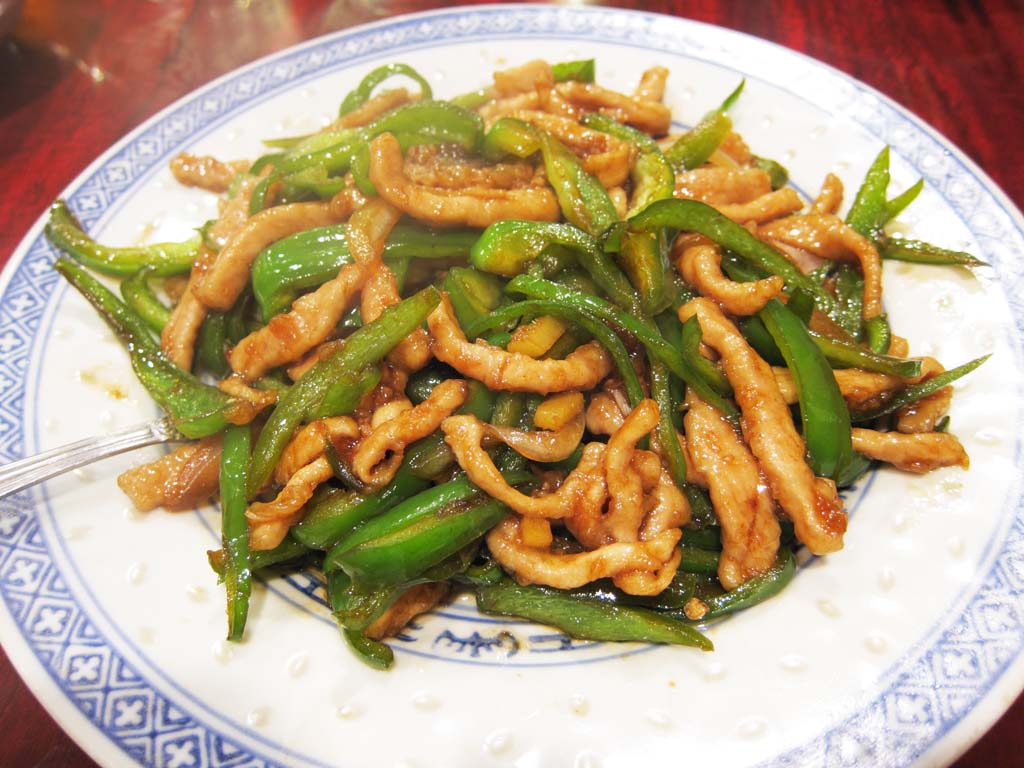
(21, 252)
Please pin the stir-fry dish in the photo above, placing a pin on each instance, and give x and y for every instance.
(532, 342)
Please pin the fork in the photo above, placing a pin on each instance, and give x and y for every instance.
(20, 474)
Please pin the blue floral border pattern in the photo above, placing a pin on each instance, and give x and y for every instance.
(926, 699)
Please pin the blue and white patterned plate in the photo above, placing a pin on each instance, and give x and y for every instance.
(899, 650)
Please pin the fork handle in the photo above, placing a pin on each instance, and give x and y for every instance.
(20, 474)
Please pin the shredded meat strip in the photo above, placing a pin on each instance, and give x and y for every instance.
(233, 212)
(780, 202)
(223, 282)
(718, 186)
(858, 388)
(542, 445)
(701, 267)
(651, 117)
(206, 172)
(743, 504)
(371, 109)
(568, 571)
(812, 503)
(604, 156)
(736, 149)
(830, 197)
(472, 207)
(378, 455)
(414, 601)
(309, 444)
(288, 336)
(181, 479)
(625, 487)
(451, 167)
(257, 399)
(583, 490)
(532, 76)
(652, 84)
(829, 237)
(668, 511)
(604, 414)
(923, 415)
(368, 230)
(582, 369)
(178, 337)
(921, 452)
(273, 518)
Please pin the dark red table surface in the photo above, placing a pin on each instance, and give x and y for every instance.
(76, 75)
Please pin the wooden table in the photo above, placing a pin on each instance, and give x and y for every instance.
(77, 76)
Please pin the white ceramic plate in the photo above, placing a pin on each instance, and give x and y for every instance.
(898, 650)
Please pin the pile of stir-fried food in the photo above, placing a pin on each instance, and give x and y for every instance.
(529, 342)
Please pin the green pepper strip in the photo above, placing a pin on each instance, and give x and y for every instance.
(506, 248)
(212, 345)
(695, 216)
(357, 608)
(258, 197)
(668, 391)
(363, 348)
(234, 464)
(702, 513)
(652, 174)
(868, 210)
(485, 571)
(697, 560)
(344, 394)
(584, 319)
(898, 204)
(420, 532)
(644, 331)
(918, 252)
(311, 181)
(422, 382)
(287, 550)
(139, 295)
(841, 354)
(166, 259)
(511, 410)
(849, 308)
(334, 513)
(583, 71)
(694, 147)
(755, 590)
(310, 258)
(776, 171)
(474, 294)
(644, 257)
(823, 411)
(878, 333)
(584, 618)
(582, 198)
(362, 92)
(371, 652)
(673, 598)
(705, 538)
(196, 409)
(434, 121)
(915, 392)
(668, 439)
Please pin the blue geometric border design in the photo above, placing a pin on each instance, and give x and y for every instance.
(926, 698)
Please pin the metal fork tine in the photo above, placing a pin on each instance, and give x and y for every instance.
(20, 474)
